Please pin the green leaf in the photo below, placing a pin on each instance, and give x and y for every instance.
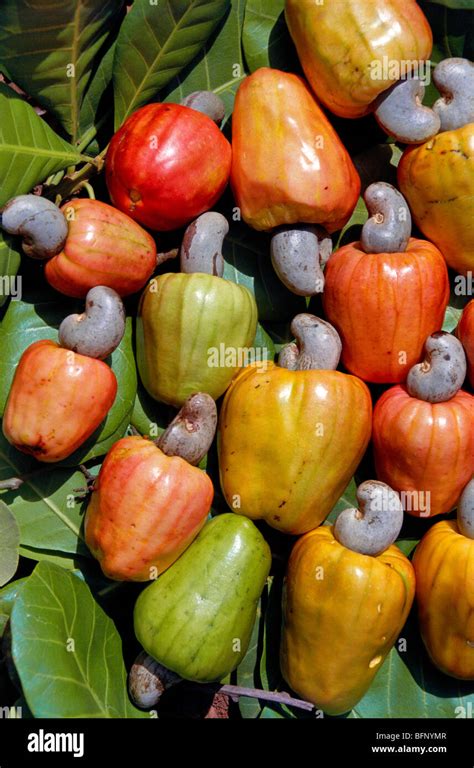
(348, 499)
(265, 37)
(246, 671)
(156, 40)
(264, 343)
(38, 316)
(453, 33)
(60, 678)
(10, 259)
(51, 50)
(9, 594)
(219, 67)
(409, 685)
(46, 506)
(149, 417)
(29, 149)
(64, 560)
(460, 4)
(9, 543)
(97, 107)
(451, 318)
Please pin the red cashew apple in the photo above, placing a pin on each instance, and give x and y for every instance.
(145, 510)
(166, 165)
(465, 334)
(103, 247)
(57, 400)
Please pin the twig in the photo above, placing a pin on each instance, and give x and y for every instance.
(277, 697)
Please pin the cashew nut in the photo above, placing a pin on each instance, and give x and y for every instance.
(317, 347)
(148, 680)
(389, 227)
(442, 372)
(99, 330)
(42, 226)
(400, 112)
(192, 431)
(206, 102)
(297, 254)
(454, 79)
(376, 524)
(466, 511)
(201, 249)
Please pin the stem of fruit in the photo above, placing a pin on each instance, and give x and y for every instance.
(277, 697)
(74, 182)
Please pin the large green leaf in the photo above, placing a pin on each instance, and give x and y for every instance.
(47, 506)
(97, 107)
(156, 40)
(29, 149)
(51, 49)
(10, 259)
(9, 543)
(66, 650)
(38, 318)
(265, 36)
(219, 67)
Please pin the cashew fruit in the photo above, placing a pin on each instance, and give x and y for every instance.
(384, 305)
(289, 442)
(425, 450)
(166, 165)
(196, 619)
(145, 509)
(437, 180)
(342, 613)
(444, 562)
(465, 334)
(57, 400)
(103, 247)
(288, 163)
(352, 50)
(184, 321)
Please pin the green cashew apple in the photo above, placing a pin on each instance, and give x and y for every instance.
(192, 330)
(197, 617)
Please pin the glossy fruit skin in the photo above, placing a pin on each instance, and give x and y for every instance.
(190, 618)
(289, 442)
(384, 305)
(420, 446)
(340, 44)
(342, 612)
(145, 510)
(444, 568)
(437, 179)
(57, 400)
(288, 163)
(103, 247)
(183, 316)
(465, 334)
(166, 165)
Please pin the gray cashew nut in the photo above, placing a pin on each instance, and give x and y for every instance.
(389, 227)
(99, 330)
(373, 527)
(318, 346)
(39, 222)
(466, 511)
(192, 431)
(454, 79)
(297, 254)
(148, 680)
(442, 372)
(206, 102)
(201, 249)
(401, 114)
